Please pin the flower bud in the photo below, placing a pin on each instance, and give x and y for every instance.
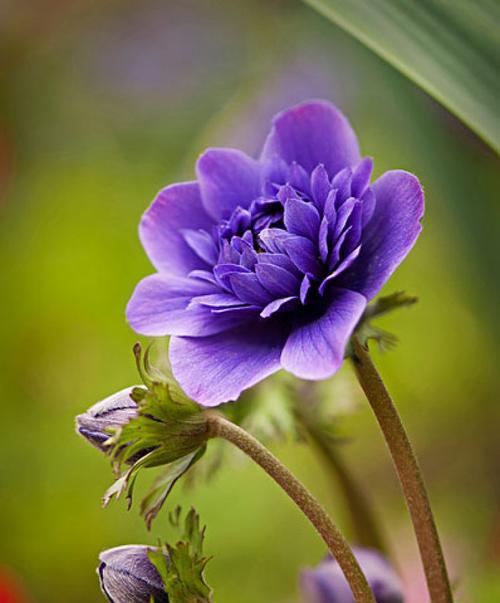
(126, 575)
(327, 584)
(113, 412)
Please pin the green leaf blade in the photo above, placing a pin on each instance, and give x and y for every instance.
(449, 49)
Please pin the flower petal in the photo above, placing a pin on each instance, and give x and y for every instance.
(389, 235)
(279, 304)
(175, 208)
(302, 218)
(159, 306)
(278, 281)
(315, 349)
(216, 369)
(311, 133)
(228, 178)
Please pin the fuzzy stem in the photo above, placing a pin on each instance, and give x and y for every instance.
(338, 546)
(409, 474)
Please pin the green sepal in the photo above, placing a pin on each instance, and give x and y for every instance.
(182, 566)
(170, 430)
(366, 331)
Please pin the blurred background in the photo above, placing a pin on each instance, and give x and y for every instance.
(102, 104)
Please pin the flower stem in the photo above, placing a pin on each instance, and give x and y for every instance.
(338, 546)
(409, 474)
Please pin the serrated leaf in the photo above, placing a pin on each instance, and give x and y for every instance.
(450, 49)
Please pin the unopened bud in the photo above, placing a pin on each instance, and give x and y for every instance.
(326, 583)
(127, 575)
(96, 424)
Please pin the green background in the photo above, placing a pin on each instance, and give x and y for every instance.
(101, 104)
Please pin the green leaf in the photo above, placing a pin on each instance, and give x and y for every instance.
(163, 484)
(449, 48)
(182, 566)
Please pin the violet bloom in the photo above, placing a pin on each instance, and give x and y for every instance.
(268, 264)
(127, 575)
(327, 584)
(112, 412)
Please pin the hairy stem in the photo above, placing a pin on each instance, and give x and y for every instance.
(409, 474)
(338, 546)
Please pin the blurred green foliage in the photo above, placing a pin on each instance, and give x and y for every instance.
(103, 104)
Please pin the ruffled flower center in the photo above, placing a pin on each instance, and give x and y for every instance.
(288, 247)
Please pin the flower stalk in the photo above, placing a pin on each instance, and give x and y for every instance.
(408, 472)
(307, 503)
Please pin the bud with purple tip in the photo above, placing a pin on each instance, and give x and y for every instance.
(113, 412)
(127, 575)
(327, 584)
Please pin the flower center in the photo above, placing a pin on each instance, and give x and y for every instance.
(288, 247)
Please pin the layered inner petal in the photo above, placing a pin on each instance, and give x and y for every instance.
(390, 233)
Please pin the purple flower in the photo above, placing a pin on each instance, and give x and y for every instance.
(267, 264)
(127, 575)
(115, 411)
(327, 584)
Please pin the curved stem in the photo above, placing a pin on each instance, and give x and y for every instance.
(338, 546)
(409, 474)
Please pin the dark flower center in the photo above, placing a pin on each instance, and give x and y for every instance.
(286, 249)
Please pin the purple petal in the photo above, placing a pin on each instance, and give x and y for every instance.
(320, 185)
(228, 178)
(311, 133)
(278, 281)
(361, 177)
(368, 200)
(279, 304)
(305, 286)
(343, 216)
(302, 218)
(303, 254)
(247, 287)
(342, 183)
(159, 306)
(330, 211)
(272, 239)
(203, 275)
(344, 265)
(323, 239)
(315, 350)
(202, 243)
(278, 259)
(175, 208)
(213, 370)
(389, 235)
(299, 178)
(222, 272)
(216, 300)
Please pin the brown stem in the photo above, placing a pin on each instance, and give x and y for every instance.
(409, 474)
(338, 546)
